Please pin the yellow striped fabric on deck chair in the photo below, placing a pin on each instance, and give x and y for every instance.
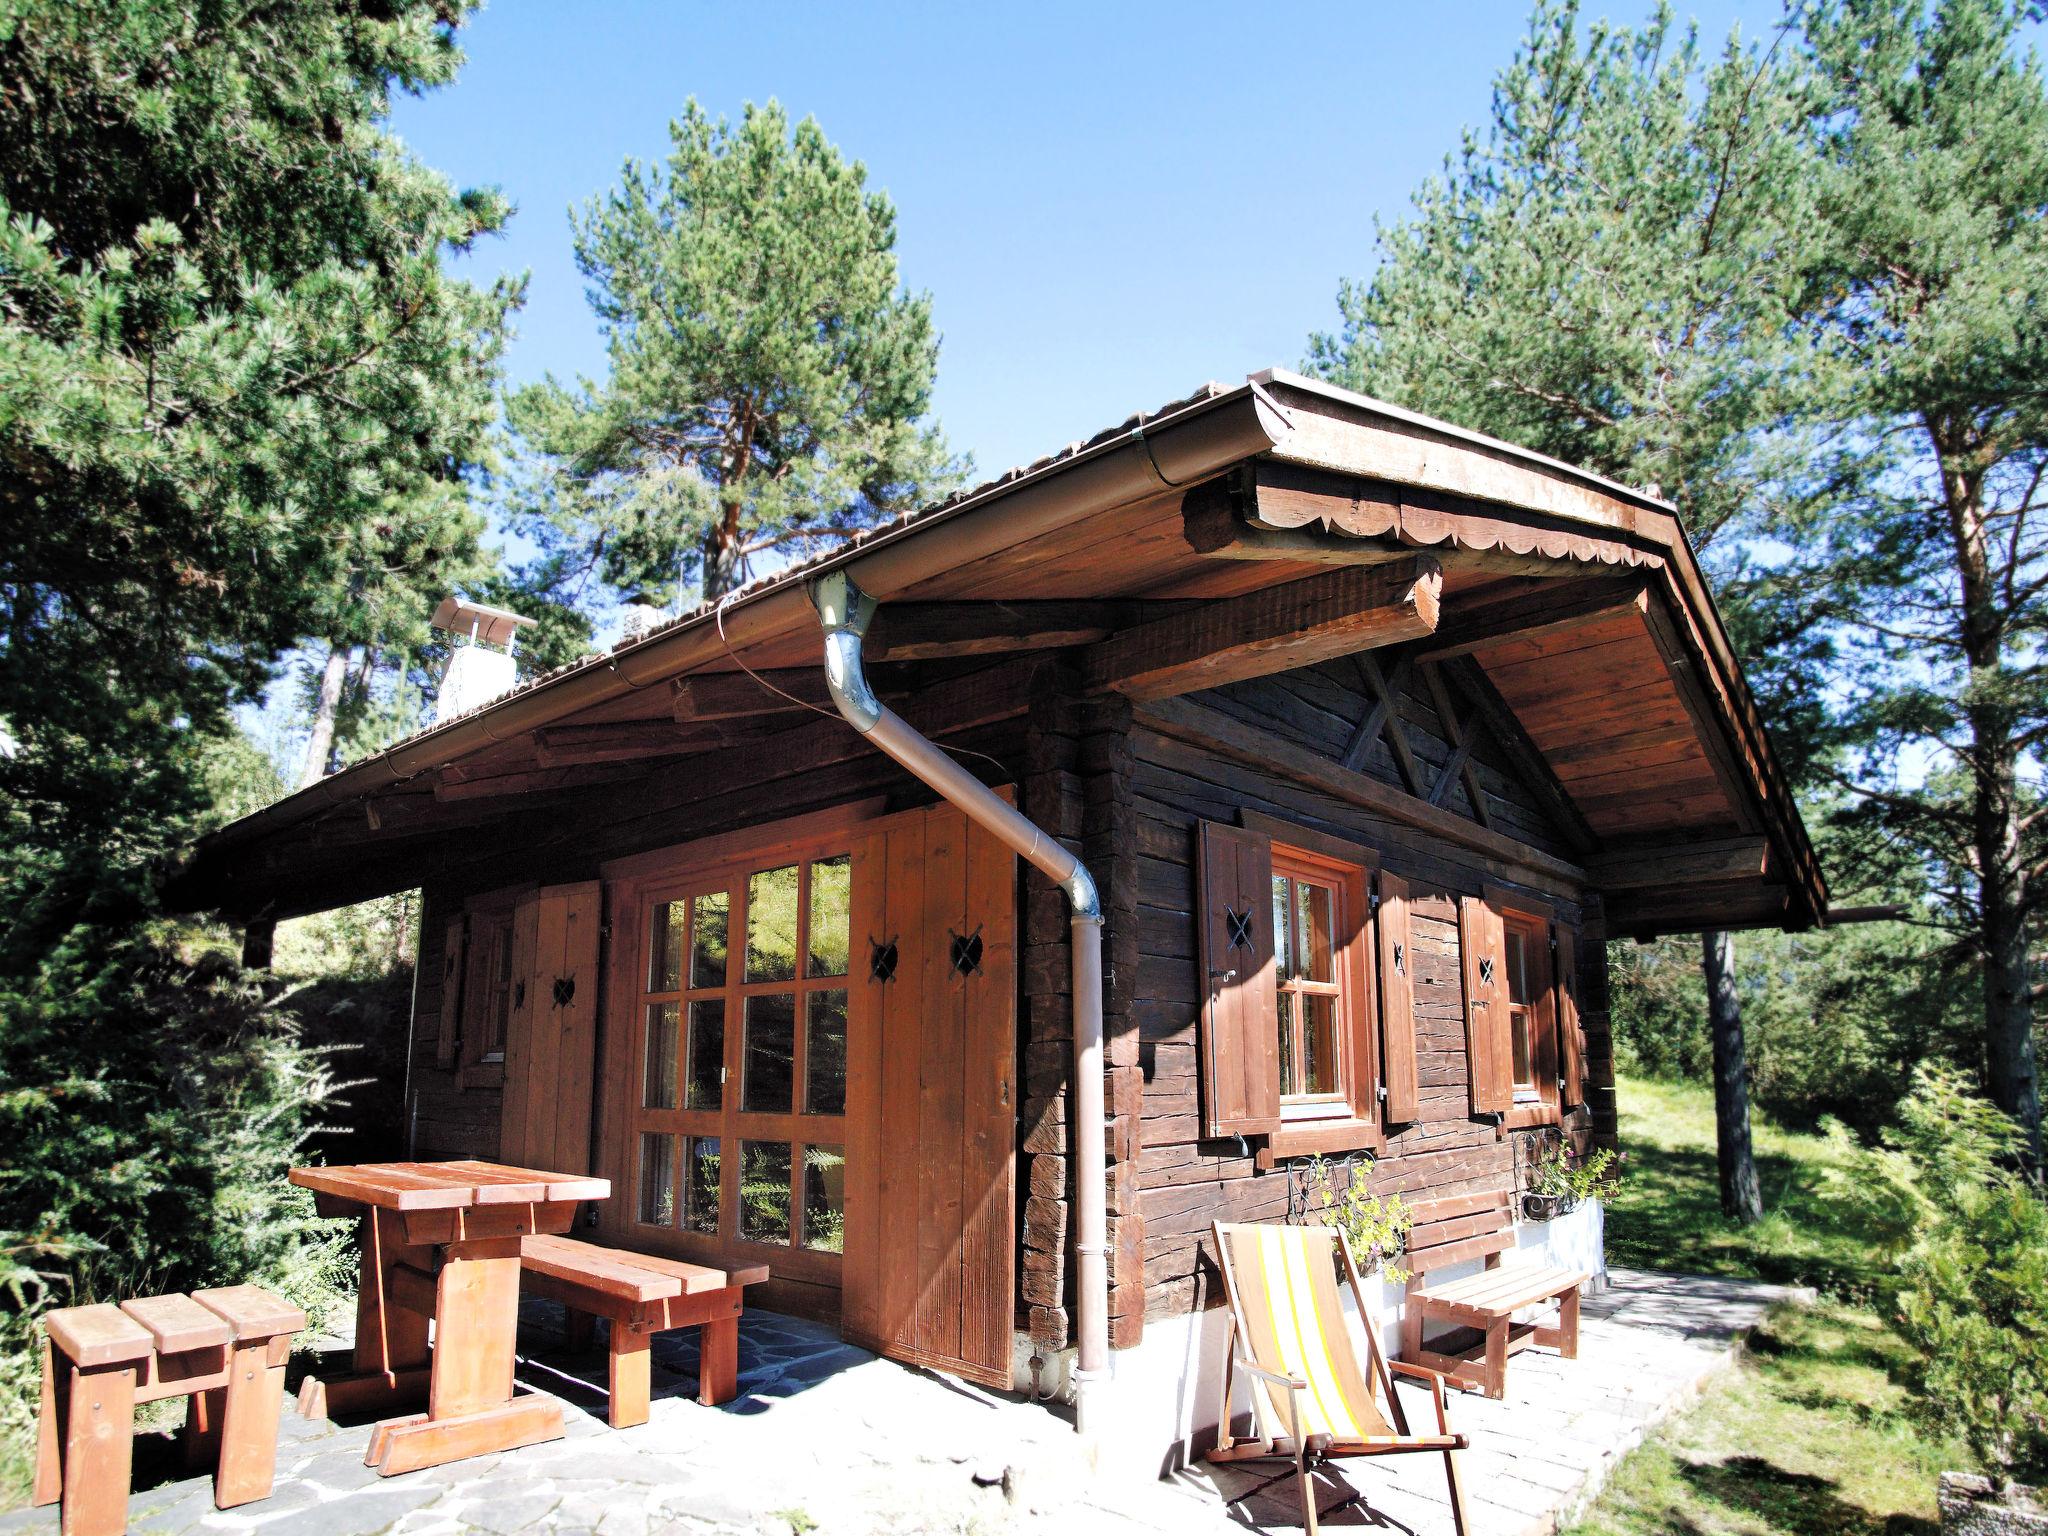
(1313, 1399)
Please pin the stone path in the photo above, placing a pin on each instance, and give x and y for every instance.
(826, 1437)
(1648, 1344)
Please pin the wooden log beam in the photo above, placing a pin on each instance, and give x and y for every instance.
(1277, 629)
(571, 746)
(912, 631)
(1567, 605)
(725, 695)
(1213, 731)
(455, 784)
(1689, 863)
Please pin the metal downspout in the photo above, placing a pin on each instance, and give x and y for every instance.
(845, 611)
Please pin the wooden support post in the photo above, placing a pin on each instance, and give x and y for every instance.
(631, 1377)
(258, 940)
(249, 1407)
(99, 1445)
(718, 1361)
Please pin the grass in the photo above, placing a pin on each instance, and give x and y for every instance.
(1808, 1435)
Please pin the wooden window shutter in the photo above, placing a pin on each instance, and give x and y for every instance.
(1482, 942)
(448, 1035)
(551, 1036)
(1397, 1001)
(1240, 1039)
(1571, 1055)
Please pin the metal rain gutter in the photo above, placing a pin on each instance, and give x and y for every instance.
(845, 612)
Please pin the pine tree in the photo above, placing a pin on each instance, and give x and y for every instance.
(769, 380)
(228, 349)
(1933, 199)
(1611, 275)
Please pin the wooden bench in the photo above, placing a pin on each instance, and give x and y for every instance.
(224, 1348)
(1454, 1231)
(639, 1296)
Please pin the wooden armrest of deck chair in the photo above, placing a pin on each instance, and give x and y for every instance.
(1227, 1448)
(1436, 1380)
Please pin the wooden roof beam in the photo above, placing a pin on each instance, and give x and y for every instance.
(726, 695)
(618, 741)
(914, 631)
(1690, 863)
(1277, 629)
(1565, 606)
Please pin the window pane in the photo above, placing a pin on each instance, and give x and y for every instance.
(768, 1080)
(825, 1199)
(658, 1090)
(825, 1053)
(700, 1183)
(831, 904)
(657, 1178)
(1287, 1082)
(764, 1191)
(1313, 905)
(1518, 966)
(771, 925)
(665, 946)
(1518, 1031)
(1282, 928)
(706, 1088)
(707, 939)
(1318, 1044)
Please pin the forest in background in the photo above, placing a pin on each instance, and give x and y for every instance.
(254, 429)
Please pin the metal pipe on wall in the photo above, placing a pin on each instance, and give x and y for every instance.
(845, 611)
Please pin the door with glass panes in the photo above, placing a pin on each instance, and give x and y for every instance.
(728, 1082)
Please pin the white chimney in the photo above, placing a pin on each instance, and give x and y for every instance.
(477, 672)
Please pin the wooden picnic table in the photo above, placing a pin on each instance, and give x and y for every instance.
(440, 1241)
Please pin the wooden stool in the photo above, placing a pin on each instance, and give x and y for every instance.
(224, 1348)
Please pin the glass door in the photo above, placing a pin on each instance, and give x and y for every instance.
(737, 1139)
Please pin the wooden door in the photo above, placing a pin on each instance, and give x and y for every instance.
(550, 1042)
(931, 1195)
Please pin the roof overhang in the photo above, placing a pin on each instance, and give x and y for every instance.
(1281, 478)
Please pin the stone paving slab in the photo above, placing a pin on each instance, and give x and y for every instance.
(825, 1437)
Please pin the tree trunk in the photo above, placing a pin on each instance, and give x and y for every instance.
(1994, 800)
(722, 556)
(321, 747)
(1741, 1198)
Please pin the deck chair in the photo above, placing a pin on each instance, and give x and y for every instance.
(1311, 1400)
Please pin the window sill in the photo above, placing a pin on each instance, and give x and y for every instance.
(1319, 1136)
(1527, 1116)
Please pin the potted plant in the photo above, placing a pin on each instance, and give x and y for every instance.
(1375, 1226)
(1563, 1177)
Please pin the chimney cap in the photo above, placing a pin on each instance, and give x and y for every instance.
(496, 626)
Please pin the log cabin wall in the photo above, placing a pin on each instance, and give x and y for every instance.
(456, 1113)
(1187, 1181)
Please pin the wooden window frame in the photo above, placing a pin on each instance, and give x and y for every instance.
(1536, 921)
(488, 921)
(1349, 869)
(726, 864)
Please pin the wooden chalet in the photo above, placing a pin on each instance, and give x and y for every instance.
(1370, 731)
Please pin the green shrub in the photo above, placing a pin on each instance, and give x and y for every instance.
(151, 1099)
(1376, 1226)
(1973, 1289)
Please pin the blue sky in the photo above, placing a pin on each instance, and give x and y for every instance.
(1108, 204)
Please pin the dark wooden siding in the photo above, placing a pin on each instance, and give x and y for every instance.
(1186, 1182)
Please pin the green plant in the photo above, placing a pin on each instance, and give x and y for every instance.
(1972, 1298)
(1376, 1226)
(1570, 1176)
